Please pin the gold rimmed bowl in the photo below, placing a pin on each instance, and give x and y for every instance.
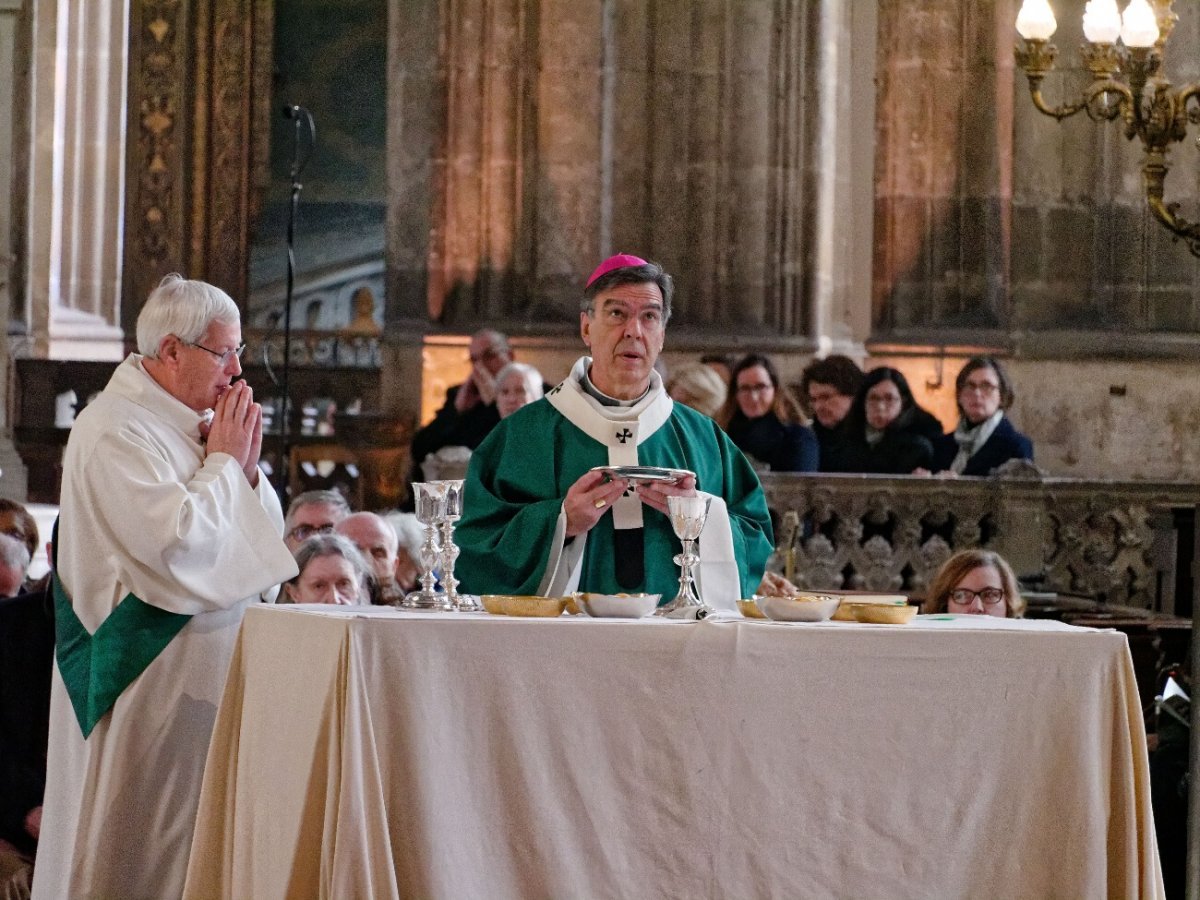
(799, 607)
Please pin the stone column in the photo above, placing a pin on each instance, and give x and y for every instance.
(76, 183)
(12, 32)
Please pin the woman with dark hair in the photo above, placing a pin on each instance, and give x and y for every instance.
(764, 419)
(828, 387)
(984, 438)
(885, 427)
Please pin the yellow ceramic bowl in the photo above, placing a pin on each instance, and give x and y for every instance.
(494, 603)
(750, 609)
(883, 613)
(845, 612)
(534, 606)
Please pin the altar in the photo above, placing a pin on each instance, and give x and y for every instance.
(368, 752)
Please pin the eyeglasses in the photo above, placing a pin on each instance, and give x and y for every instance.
(304, 532)
(982, 387)
(225, 357)
(883, 401)
(966, 596)
(489, 353)
(747, 389)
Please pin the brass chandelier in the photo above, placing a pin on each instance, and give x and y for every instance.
(1127, 81)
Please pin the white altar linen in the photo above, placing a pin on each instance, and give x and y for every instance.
(378, 753)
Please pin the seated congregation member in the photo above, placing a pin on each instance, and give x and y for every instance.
(331, 571)
(829, 387)
(14, 564)
(16, 521)
(313, 512)
(410, 535)
(469, 413)
(517, 384)
(883, 435)
(764, 419)
(538, 520)
(699, 386)
(26, 659)
(376, 540)
(984, 439)
(975, 582)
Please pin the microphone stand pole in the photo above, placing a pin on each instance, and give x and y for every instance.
(297, 114)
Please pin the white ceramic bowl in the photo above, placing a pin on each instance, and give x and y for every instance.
(618, 606)
(807, 608)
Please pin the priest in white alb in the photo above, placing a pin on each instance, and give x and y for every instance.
(537, 520)
(167, 531)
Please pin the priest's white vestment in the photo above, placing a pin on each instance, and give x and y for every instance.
(145, 512)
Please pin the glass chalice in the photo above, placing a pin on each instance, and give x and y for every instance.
(430, 497)
(687, 515)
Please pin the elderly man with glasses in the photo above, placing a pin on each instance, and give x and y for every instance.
(537, 517)
(167, 532)
(313, 513)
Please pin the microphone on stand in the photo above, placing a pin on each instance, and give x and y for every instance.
(300, 156)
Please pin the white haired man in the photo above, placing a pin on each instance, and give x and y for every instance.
(166, 533)
(378, 543)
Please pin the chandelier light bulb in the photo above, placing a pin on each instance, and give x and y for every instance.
(1035, 21)
(1139, 26)
(1102, 22)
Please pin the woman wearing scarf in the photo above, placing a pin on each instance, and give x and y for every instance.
(984, 438)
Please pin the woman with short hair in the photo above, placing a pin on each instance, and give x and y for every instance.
(332, 570)
(984, 439)
(975, 582)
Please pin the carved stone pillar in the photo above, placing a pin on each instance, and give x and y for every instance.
(75, 181)
(199, 98)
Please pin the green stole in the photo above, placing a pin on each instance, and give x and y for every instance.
(96, 668)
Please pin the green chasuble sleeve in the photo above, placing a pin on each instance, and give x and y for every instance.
(519, 475)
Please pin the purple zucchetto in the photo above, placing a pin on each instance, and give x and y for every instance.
(620, 261)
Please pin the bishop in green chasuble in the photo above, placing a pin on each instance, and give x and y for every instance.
(536, 520)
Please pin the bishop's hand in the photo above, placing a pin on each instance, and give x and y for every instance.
(589, 498)
(655, 493)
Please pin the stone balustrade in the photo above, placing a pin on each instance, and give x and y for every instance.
(1120, 542)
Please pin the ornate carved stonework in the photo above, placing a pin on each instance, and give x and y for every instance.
(1111, 541)
(198, 98)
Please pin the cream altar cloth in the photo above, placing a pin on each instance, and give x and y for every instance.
(377, 753)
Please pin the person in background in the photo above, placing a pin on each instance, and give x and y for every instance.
(975, 582)
(26, 661)
(14, 563)
(984, 439)
(699, 386)
(376, 540)
(409, 538)
(331, 571)
(313, 512)
(721, 363)
(883, 434)
(469, 413)
(763, 418)
(828, 386)
(516, 385)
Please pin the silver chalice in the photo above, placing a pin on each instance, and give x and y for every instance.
(687, 515)
(430, 497)
(451, 514)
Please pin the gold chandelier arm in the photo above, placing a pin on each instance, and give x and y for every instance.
(1154, 174)
(1107, 112)
(1055, 112)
